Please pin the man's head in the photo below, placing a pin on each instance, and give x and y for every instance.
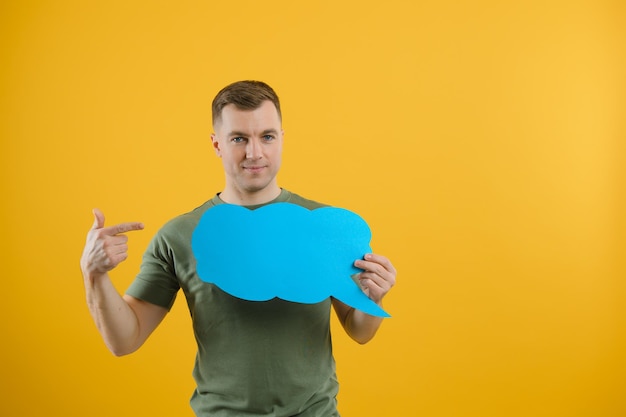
(245, 95)
(248, 138)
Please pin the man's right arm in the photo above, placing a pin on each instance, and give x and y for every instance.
(124, 322)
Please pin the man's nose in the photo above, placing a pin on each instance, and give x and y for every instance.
(253, 150)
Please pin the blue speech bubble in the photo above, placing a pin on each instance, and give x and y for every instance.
(284, 250)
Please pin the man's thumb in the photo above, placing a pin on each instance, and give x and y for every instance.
(98, 222)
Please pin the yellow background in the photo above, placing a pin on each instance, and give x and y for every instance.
(482, 141)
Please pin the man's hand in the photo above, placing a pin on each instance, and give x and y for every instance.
(376, 280)
(106, 246)
(378, 276)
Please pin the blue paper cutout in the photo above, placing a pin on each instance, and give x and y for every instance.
(284, 250)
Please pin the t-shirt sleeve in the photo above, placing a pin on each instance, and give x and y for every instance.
(156, 282)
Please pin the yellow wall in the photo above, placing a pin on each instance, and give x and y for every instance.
(483, 142)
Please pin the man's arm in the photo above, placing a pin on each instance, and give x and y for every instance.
(376, 280)
(124, 322)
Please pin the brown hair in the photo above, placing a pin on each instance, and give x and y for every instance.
(246, 95)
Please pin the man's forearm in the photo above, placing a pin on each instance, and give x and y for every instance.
(360, 326)
(115, 320)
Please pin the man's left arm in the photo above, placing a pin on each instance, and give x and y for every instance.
(376, 280)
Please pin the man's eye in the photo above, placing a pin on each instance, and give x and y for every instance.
(238, 139)
(268, 137)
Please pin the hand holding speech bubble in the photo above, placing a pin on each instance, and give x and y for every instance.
(284, 250)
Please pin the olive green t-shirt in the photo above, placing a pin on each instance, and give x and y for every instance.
(271, 358)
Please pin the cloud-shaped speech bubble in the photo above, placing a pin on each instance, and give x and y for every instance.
(284, 250)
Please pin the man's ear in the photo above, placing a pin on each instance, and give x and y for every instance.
(216, 144)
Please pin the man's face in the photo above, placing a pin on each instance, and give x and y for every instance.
(250, 143)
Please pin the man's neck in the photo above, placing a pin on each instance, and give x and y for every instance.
(240, 198)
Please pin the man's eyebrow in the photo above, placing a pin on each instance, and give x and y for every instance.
(263, 133)
(236, 133)
(268, 131)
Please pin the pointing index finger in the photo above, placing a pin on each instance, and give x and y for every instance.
(124, 227)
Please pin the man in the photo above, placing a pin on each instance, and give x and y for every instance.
(270, 358)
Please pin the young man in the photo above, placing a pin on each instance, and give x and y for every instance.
(270, 358)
